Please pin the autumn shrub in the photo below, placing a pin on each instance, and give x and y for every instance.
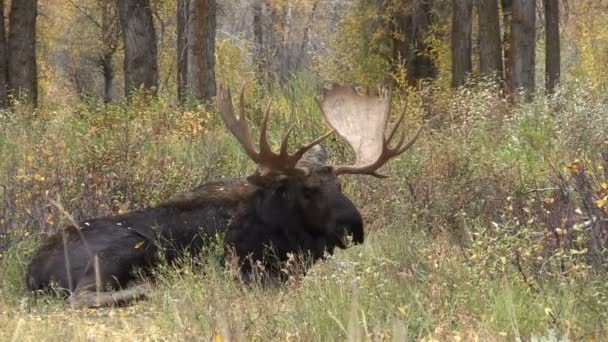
(99, 160)
(235, 67)
(521, 189)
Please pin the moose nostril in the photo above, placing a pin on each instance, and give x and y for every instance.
(358, 233)
(353, 228)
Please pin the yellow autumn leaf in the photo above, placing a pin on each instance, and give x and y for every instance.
(604, 186)
(218, 338)
(404, 310)
(139, 244)
(575, 167)
(576, 252)
(601, 203)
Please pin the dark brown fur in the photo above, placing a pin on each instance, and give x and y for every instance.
(95, 261)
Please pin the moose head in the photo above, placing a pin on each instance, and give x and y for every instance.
(292, 204)
(303, 178)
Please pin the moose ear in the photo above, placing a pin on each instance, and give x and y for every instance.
(265, 180)
(316, 155)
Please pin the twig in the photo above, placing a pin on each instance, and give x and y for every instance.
(85, 13)
(542, 190)
(523, 275)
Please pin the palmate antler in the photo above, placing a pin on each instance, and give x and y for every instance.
(361, 121)
(281, 162)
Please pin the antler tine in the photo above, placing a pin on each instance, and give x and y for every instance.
(387, 153)
(281, 162)
(311, 144)
(285, 140)
(399, 120)
(241, 103)
(411, 142)
(236, 125)
(264, 145)
(399, 148)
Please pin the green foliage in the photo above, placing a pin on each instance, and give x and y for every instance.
(490, 228)
(590, 37)
(234, 68)
(13, 263)
(460, 244)
(362, 46)
(359, 49)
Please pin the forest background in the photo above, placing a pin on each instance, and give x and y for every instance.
(494, 227)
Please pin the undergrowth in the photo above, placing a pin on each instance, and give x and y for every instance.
(492, 227)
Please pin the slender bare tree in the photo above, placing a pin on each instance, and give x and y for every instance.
(507, 8)
(141, 63)
(3, 61)
(22, 71)
(258, 38)
(104, 19)
(182, 55)
(461, 41)
(552, 53)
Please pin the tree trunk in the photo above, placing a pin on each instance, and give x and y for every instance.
(461, 41)
(304, 57)
(140, 64)
(414, 23)
(110, 42)
(182, 56)
(507, 7)
(523, 44)
(490, 49)
(201, 52)
(22, 79)
(3, 61)
(197, 55)
(284, 49)
(258, 39)
(552, 52)
(108, 77)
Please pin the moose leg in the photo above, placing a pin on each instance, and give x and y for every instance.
(88, 297)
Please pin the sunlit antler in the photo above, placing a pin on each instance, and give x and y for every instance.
(361, 121)
(281, 162)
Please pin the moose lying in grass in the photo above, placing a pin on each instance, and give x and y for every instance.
(292, 204)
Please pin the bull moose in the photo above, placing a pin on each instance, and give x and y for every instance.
(292, 204)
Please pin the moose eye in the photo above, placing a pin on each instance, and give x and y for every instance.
(281, 191)
(309, 193)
